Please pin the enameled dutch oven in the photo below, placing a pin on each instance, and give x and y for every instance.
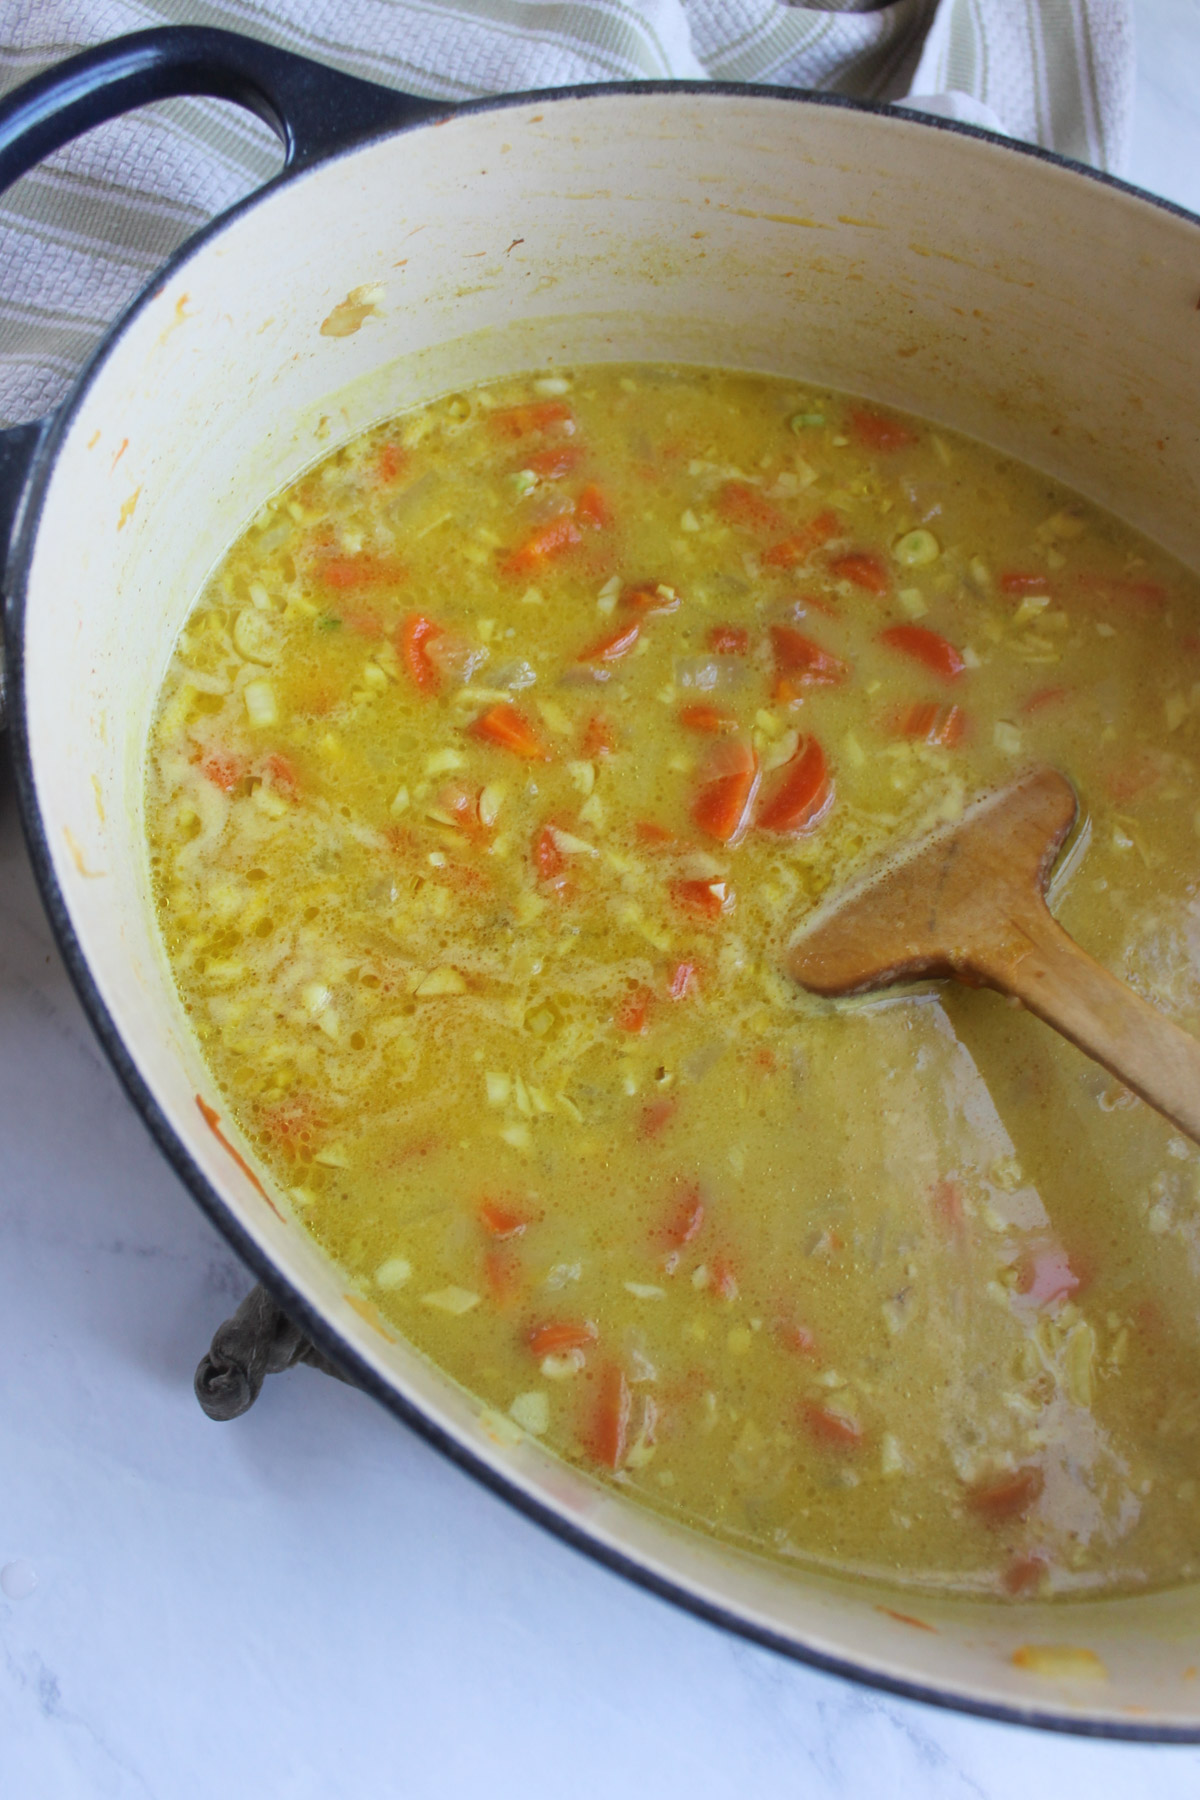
(408, 249)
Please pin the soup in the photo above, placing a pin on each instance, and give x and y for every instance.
(495, 768)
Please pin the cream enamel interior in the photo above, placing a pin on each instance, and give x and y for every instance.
(962, 280)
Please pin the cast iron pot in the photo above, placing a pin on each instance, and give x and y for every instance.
(1000, 290)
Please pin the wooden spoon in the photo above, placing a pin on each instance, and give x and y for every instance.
(968, 901)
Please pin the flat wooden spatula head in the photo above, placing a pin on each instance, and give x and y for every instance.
(950, 904)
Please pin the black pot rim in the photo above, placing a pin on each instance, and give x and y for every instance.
(314, 1324)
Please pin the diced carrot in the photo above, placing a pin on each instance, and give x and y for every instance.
(503, 1275)
(357, 618)
(607, 1438)
(466, 878)
(789, 552)
(348, 573)
(945, 1199)
(1008, 1495)
(657, 1116)
(548, 859)
(797, 548)
(612, 648)
(934, 724)
(1150, 596)
(293, 1124)
(547, 541)
(864, 569)
(650, 597)
(1132, 776)
(878, 432)
(599, 739)
(500, 1221)
(919, 720)
(728, 784)
(509, 729)
(797, 1338)
(1045, 1275)
(937, 653)
(1025, 1574)
(540, 415)
(722, 1279)
(1017, 581)
(800, 795)
(818, 602)
(686, 1219)
(649, 831)
(553, 461)
(280, 771)
(1047, 696)
(709, 719)
(728, 640)
(594, 508)
(462, 804)
(415, 635)
(797, 656)
(224, 769)
(559, 1335)
(831, 1427)
(741, 504)
(632, 1013)
(391, 461)
(682, 980)
(710, 898)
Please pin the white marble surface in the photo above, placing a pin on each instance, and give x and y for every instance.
(309, 1604)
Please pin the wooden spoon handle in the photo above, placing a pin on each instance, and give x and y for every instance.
(1062, 984)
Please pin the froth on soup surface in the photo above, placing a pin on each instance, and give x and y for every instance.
(495, 767)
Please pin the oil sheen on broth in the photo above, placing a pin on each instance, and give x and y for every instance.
(494, 768)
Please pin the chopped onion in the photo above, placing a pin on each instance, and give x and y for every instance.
(440, 981)
(513, 676)
(454, 657)
(708, 674)
(393, 1273)
(452, 1300)
(532, 1411)
(569, 845)
(261, 706)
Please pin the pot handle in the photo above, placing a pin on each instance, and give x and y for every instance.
(259, 1340)
(313, 110)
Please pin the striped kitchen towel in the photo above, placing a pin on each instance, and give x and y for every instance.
(80, 235)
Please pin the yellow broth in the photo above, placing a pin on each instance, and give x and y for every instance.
(495, 767)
